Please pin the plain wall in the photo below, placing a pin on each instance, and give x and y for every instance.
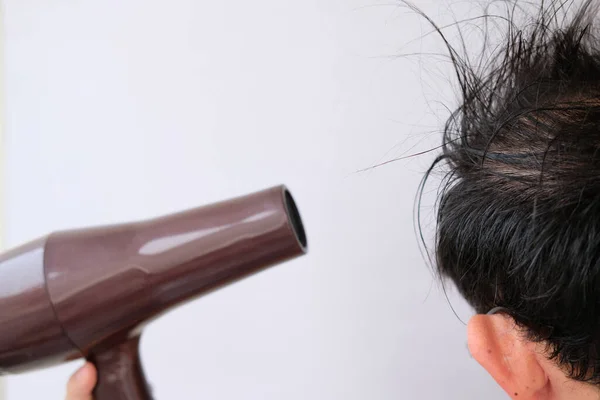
(2, 153)
(119, 111)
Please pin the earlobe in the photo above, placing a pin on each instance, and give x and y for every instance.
(497, 344)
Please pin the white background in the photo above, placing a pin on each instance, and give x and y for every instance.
(119, 111)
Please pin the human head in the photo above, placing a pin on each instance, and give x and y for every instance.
(518, 216)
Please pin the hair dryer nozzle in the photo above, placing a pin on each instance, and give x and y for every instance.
(295, 220)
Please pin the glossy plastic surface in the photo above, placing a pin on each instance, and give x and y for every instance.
(30, 335)
(120, 372)
(105, 283)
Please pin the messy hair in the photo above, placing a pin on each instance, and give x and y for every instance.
(518, 216)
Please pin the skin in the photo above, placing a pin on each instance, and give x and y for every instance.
(519, 366)
(81, 383)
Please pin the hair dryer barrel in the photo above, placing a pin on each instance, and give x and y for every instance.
(89, 291)
(105, 281)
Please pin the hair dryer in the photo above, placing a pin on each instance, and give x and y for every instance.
(90, 292)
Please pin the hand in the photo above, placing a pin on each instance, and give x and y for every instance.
(81, 384)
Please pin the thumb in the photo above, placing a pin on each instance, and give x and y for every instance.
(81, 384)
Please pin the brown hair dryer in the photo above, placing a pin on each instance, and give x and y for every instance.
(89, 292)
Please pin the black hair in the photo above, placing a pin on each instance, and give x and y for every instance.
(518, 212)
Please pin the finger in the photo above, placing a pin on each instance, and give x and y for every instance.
(81, 384)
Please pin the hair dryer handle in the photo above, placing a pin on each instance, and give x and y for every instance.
(120, 372)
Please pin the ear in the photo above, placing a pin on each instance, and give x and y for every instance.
(497, 344)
